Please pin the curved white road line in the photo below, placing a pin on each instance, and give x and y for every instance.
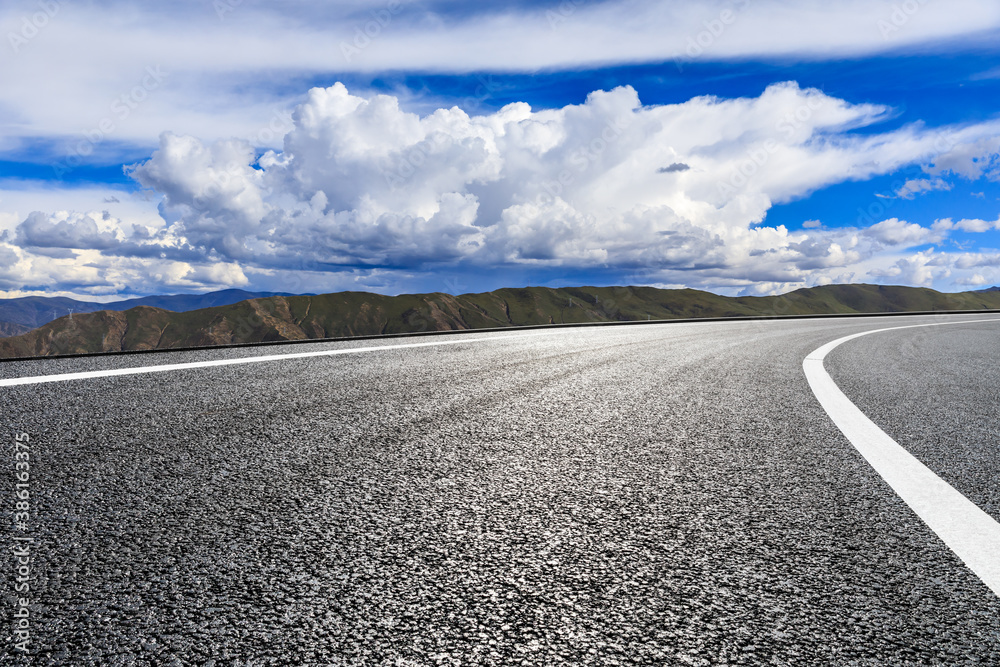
(968, 531)
(971, 533)
(163, 368)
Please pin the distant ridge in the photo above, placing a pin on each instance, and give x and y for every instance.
(31, 312)
(12, 329)
(280, 318)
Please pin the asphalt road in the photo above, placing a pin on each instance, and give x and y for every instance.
(619, 495)
(936, 391)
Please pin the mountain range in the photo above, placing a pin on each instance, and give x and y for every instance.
(304, 317)
(23, 314)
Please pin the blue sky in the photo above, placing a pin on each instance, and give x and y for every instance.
(739, 147)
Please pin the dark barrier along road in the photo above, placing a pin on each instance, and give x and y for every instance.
(620, 495)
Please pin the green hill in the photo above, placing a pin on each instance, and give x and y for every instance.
(342, 314)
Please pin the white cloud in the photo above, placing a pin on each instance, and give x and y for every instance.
(974, 225)
(916, 186)
(64, 231)
(226, 73)
(970, 159)
(895, 232)
(18, 198)
(975, 280)
(216, 275)
(986, 75)
(363, 186)
(977, 260)
(921, 269)
(362, 182)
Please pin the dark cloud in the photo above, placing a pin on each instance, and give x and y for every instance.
(41, 231)
(674, 168)
(7, 257)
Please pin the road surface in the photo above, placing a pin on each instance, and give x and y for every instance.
(665, 494)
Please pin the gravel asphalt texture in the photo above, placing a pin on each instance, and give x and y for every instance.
(644, 495)
(936, 391)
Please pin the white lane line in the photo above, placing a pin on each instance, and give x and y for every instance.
(138, 370)
(64, 377)
(42, 379)
(968, 531)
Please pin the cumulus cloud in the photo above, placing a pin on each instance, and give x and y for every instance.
(218, 179)
(976, 260)
(917, 186)
(970, 159)
(62, 232)
(975, 280)
(364, 185)
(974, 225)
(10, 276)
(895, 232)
(361, 182)
(920, 269)
(213, 275)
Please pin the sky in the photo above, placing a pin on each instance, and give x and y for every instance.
(744, 147)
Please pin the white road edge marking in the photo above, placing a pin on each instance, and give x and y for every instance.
(972, 534)
(138, 370)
